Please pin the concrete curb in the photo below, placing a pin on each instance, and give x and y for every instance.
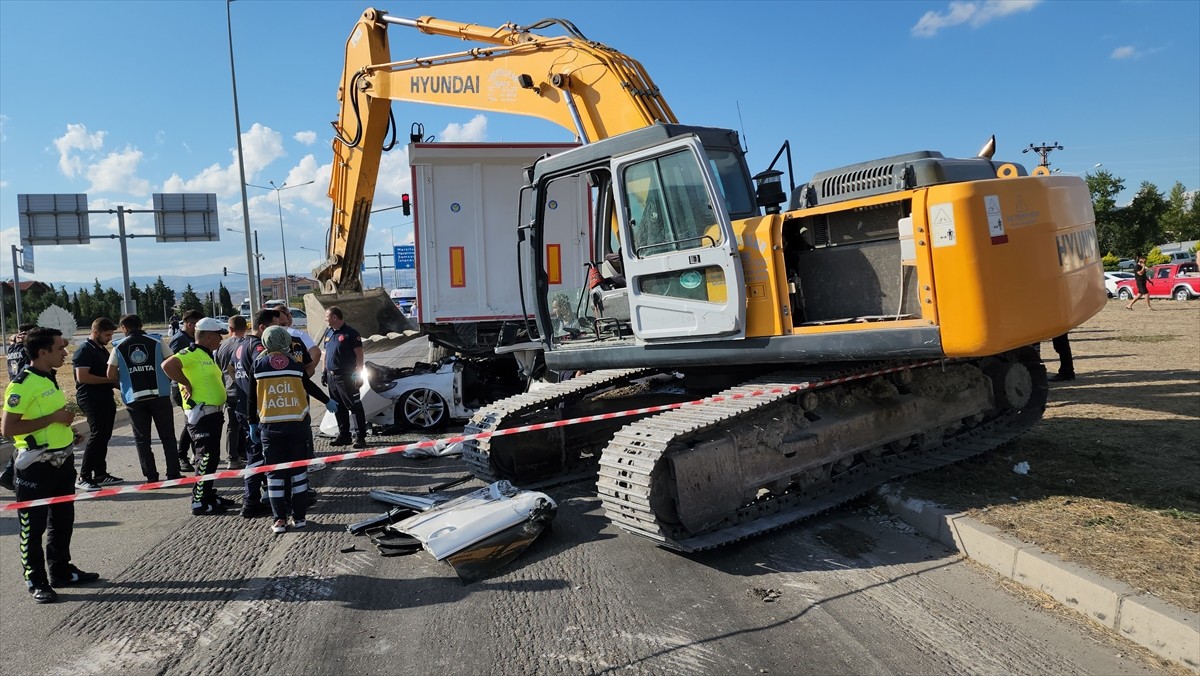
(1168, 631)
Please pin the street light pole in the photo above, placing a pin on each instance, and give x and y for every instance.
(254, 279)
(287, 297)
(255, 294)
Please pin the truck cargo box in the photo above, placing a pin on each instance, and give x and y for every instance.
(466, 198)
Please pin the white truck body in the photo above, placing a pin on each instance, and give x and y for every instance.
(466, 198)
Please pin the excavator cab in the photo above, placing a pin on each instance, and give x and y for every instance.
(666, 254)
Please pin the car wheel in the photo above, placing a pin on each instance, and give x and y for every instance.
(422, 409)
(1182, 294)
(1125, 294)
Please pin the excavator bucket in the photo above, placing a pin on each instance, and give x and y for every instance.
(370, 312)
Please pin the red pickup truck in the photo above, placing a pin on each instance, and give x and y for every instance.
(1180, 281)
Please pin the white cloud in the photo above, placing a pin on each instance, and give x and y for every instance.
(117, 172)
(261, 145)
(76, 138)
(473, 131)
(160, 137)
(395, 178)
(1126, 52)
(3, 136)
(974, 14)
(306, 137)
(3, 184)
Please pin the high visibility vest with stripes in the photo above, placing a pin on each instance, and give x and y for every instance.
(279, 380)
(208, 383)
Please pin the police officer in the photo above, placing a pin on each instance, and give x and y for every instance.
(202, 389)
(185, 336)
(17, 359)
(281, 424)
(136, 363)
(343, 361)
(36, 418)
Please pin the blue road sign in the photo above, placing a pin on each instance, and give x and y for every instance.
(406, 256)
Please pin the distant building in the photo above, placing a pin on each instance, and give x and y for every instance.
(272, 287)
(33, 286)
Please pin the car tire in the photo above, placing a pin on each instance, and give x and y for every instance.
(422, 409)
(1182, 293)
(1124, 294)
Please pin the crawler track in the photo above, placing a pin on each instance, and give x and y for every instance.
(492, 459)
(635, 473)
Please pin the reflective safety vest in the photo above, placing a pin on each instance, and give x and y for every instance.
(208, 386)
(280, 388)
(32, 395)
(139, 359)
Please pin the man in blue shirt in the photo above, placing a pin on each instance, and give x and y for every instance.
(136, 363)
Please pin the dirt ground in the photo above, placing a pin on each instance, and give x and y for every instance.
(1114, 467)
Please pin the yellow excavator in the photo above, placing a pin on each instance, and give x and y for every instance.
(877, 320)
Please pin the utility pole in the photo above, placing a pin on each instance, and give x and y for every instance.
(1044, 150)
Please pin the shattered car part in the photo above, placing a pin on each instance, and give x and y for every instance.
(481, 531)
(416, 502)
(391, 543)
(451, 483)
(378, 522)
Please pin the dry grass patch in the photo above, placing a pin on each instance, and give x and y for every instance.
(1114, 480)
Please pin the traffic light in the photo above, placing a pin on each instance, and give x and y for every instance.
(405, 205)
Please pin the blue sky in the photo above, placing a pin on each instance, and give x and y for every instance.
(122, 99)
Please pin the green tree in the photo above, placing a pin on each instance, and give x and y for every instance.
(1175, 220)
(1104, 188)
(1157, 257)
(225, 301)
(190, 301)
(1142, 227)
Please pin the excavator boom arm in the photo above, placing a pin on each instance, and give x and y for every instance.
(584, 86)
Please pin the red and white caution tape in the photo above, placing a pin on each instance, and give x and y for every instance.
(446, 441)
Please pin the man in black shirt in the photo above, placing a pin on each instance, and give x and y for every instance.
(248, 350)
(94, 393)
(343, 362)
(236, 433)
(186, 337)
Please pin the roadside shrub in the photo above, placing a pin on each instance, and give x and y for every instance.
(1110, 261)
(1156, 257)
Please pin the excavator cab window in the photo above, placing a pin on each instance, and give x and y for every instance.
(729, 168)
(668, 206)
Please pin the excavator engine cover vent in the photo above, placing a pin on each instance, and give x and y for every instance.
(891, 174)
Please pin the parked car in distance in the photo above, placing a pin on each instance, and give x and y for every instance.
(1181, 257)
(1126, 264)
(1180, 281)
(299, 318)
(1111, 279)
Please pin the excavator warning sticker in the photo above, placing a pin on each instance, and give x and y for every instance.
(941, 224)
(991, 204)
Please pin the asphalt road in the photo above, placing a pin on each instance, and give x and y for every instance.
(857, 593)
